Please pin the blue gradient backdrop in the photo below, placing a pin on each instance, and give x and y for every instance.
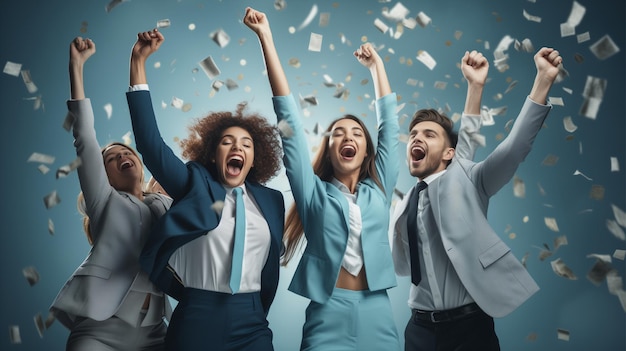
(37, 33)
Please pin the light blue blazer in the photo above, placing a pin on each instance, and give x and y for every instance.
(323, 208)
(490, 272)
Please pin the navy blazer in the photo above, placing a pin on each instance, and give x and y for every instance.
(195, 191)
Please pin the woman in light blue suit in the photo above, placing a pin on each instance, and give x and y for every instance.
(109, 302)
(342, 207)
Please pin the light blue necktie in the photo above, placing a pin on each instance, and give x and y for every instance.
(240, 233)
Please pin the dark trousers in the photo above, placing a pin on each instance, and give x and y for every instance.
(207, 320)
(468, 333)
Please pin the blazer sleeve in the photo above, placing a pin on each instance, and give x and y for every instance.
(92, 175)
(387, 163)
(307, 188)
(499, 167)
(469, 134)
(165, 166)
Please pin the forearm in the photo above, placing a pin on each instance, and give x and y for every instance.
(275, 73)
(381, 82)
(137, 71)
(77, 89)
(473, 98)
(540, 89)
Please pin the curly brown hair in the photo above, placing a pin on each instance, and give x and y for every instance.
(206, 132)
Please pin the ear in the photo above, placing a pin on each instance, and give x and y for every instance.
(448, 154)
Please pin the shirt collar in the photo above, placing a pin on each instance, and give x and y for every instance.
(431, 178)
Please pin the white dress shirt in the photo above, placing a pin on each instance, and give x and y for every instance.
(440, 287)
(353, 257)
(205, 262)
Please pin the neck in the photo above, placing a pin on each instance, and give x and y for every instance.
(349, 180)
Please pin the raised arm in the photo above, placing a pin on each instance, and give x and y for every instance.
(368, 57)
(500, 166)
(258, 22)
(92, 176)
(147, 43)
(165, 166)
(474, 67)
(548, 62)
(387, 163)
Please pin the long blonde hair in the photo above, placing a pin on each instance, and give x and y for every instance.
(80, 200)
(323, 168)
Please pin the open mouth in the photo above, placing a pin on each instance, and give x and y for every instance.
(347, 151)
(417, 153)
(125, 165)
(234, 166)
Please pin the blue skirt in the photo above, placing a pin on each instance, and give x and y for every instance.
(351, 321)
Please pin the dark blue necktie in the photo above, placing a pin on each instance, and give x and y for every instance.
(411, 223)
(240, 233)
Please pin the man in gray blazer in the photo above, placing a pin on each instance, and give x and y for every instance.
(462, 273)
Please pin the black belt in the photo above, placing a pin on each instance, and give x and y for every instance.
(445, 315)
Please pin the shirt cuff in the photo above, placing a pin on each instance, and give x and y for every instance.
(138, 87)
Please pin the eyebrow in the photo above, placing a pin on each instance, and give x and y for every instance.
(427, 130)
(233, 137)
(344, 128)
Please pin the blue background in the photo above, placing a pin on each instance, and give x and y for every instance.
(37, 35)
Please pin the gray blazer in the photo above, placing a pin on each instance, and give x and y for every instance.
(109, 281)
(490, 272)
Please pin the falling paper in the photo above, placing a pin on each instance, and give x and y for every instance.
(218, 206)
(562, 270)
(28, 81)
(562, 334)
(560, 241)
(51, 200)
(63, 171)
(426, 59)
(40, 158)
(531, 17)
(619, 254)
(31, 275)
(324, 19)
(551, 223)
(422, 19)
(164, 23)
(614, 164)
(309, 18)
(598, 272)
(112, 4)
(569, 125)
(12, 68)
(50, 226)
(315, 42)
(39, 324)
(220, 37)
(615, 229)
(14, 334)
(381, 26)
(519, 189)
(550, 160)
(285, 129)
(500, 58)
(577, 172)
(126, 138)
(209, 67)
(108, 108)
(620, 215)
(604, 48)
(43, 169)
(397, 13)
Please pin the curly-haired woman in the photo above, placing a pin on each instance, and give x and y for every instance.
(189, 255)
